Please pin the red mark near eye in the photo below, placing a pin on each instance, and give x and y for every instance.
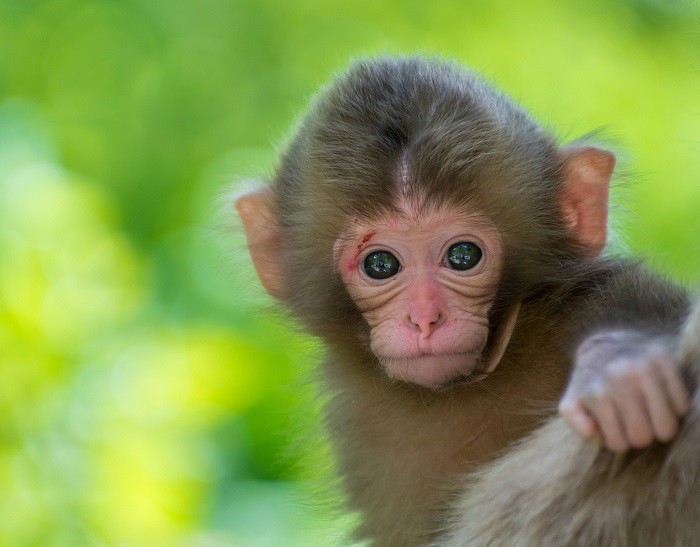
(367, 237)
(352, 262)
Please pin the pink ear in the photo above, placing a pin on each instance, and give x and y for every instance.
(262, 232)
(584, 200)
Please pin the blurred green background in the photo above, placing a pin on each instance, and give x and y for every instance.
(146, 397)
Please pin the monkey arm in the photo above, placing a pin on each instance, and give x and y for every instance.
(558, 489)
(625, 385)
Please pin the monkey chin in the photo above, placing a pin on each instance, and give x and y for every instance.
(434, 371)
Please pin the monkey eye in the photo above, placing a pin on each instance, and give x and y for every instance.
(381, 265)
(463, 255)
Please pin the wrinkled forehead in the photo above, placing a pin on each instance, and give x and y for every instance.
(416, 214)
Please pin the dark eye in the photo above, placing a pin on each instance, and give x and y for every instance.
(463, 255)
(381, 265)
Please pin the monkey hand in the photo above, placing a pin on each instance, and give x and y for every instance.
(626, 389)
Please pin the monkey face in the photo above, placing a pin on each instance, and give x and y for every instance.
(424, 281)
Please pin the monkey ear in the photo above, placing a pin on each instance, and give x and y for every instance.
(584, 201)
(262, 232)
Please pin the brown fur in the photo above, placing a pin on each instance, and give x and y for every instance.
(403, 449)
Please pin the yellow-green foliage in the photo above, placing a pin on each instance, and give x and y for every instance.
(145, 396)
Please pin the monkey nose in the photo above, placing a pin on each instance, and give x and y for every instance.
(425, 321)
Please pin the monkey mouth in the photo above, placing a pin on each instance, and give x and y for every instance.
(433, 370)
(429, 356)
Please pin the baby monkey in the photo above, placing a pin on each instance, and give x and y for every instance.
(448, 253)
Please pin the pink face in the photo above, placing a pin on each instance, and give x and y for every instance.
(425, 282)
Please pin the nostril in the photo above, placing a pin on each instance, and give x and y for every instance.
(435, 321)
(425, 323)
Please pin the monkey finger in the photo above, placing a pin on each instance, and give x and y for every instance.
(635, 419)
(606, 415)
(575, 414)
(675, 387)
(658, 404)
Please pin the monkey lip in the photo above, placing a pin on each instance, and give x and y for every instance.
(434, 355)
(430, 356)
(430, 369)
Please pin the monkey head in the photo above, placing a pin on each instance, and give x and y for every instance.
(412, 213)
(424, 279)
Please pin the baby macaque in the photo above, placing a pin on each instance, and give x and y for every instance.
(448, 253)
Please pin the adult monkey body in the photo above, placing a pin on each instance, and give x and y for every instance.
(448, 254)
